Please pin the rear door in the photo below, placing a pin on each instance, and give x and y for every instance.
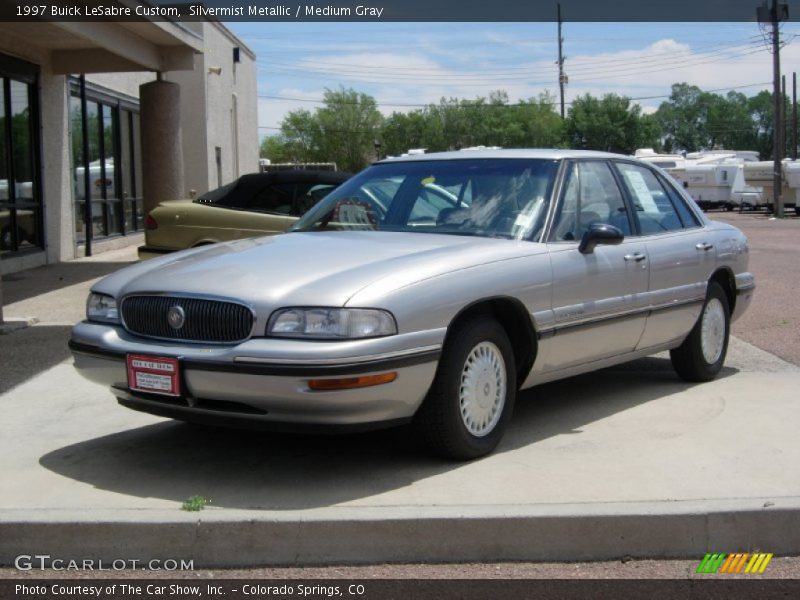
(597, 297)
(681, 255)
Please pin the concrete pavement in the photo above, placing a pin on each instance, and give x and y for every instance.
(627, 461)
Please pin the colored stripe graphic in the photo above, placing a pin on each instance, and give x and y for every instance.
(734, 563)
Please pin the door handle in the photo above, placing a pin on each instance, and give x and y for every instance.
(704, 246)
(636, 256)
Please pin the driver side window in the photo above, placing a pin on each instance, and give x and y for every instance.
(591, 195)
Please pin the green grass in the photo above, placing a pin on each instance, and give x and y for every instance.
(195, 503)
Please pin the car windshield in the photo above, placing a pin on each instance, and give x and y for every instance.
(483, 197)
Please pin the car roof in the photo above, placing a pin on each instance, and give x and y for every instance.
(294, 176)
(547, 154)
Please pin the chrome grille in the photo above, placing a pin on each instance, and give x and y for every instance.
(205, 320)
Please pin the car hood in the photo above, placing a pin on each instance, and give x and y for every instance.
(311, 269)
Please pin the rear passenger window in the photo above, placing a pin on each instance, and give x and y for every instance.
(654, 208)
(686, 214)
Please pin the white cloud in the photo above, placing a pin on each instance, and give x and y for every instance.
(414, 77)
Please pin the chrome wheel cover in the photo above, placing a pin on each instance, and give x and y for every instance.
(712, 331)
(482, 392)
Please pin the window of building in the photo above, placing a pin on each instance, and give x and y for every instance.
(20, 189)
(114, 175)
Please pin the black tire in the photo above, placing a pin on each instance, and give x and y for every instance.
(688, 359)
(439, 420)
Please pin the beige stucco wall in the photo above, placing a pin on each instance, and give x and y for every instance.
(124, 83)
(209, 124)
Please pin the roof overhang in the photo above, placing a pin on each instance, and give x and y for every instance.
(103, 47)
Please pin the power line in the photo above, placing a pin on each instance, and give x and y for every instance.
(481, 106)
(581, 62)
(480, 80)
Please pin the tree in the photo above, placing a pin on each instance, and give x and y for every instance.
(610, 123)
(348, 127)
(682, 119)
(761, 112)
(343, 131)
(455, 123)
(275, 148)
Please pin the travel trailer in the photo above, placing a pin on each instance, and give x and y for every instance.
(762, 174)
(714, 178)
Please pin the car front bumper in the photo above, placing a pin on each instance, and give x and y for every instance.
(266, 381)
(745, 288)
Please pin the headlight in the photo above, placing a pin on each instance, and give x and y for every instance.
(331, 323)
(100, 307)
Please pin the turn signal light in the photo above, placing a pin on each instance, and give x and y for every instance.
(351, 383)
(150, 222)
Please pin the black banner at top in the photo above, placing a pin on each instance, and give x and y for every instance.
(399, 10)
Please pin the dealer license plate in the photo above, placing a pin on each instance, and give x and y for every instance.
(154, 375)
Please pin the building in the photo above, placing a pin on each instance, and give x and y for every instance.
(123, 115)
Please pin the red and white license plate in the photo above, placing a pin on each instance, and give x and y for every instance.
(154, 375)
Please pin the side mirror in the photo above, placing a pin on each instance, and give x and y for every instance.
(600, 233)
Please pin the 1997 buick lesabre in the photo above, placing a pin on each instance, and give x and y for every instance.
(430, 289)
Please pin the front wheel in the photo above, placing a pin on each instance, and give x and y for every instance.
(471, 400)
(702, 353)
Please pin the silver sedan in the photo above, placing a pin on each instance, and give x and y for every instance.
(427, 289)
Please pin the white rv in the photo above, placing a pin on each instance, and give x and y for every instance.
(762, 174)
(714, 178)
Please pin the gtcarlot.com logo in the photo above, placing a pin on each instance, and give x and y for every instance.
(742, 563)
(28, 562)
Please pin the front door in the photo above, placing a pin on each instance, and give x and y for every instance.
(599, 297)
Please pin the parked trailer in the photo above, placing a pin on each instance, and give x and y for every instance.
(714, 178)
(717, 185)
(762, 174)
(265, 166)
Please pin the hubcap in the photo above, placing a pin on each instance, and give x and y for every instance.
(712, 334)
(482, 393)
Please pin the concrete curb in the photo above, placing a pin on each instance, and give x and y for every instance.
(353, 536)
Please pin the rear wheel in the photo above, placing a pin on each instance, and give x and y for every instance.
(468, 407)
(702, 353)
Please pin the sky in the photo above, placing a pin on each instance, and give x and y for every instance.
(406, 65)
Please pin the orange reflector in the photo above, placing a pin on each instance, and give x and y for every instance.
(352, 382)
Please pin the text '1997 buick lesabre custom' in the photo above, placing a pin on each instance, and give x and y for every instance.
(430, 289)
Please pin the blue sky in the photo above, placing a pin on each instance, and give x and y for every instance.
(408, 64)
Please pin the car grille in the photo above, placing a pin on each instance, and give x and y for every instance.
(204, 320)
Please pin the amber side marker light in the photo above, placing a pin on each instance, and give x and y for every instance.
(350, 383)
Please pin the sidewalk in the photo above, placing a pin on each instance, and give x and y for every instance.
(629, 461)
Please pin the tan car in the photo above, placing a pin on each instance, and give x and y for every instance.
(253, 205)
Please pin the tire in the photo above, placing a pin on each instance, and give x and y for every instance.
(690, 360)
(477, 365)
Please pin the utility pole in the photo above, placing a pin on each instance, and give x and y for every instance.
(562, 78)
(774, 15)
(794, 116)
